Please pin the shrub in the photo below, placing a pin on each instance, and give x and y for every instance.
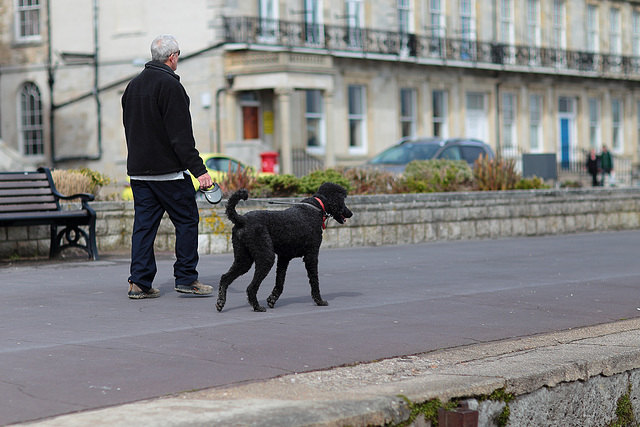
(495, 174)
(427, 176)
(237, 179)
(373, 181)
(309, 183)
(69, 182)
(98, 180)
(571, 184)
(277, 186)
(74, 181)
(534, 183)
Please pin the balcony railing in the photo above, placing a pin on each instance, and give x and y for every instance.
(349, 41)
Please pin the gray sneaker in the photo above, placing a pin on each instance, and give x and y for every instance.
(135, 292)
(195, 288)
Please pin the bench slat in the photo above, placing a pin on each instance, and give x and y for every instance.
(42, 215)
(20, 176)
(29, 207)
(25, 192)
(37, 198)
(24, 184)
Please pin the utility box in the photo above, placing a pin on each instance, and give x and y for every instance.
(541, 165)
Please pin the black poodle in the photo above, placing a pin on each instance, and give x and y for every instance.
(258, 236)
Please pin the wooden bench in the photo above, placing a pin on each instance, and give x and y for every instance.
(31, 198)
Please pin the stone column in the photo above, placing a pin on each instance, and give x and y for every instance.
(425, 123)
(284, 131)
(329, 134)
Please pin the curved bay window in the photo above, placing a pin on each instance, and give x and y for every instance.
(31, 130)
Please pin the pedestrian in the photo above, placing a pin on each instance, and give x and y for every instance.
(161, 149)
(606, 164)
(593, 166)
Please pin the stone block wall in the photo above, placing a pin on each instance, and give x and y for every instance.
(384, 220)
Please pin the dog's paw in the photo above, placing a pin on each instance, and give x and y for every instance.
(321, 302)
(259, 308)
(220, 305)
(271, 301)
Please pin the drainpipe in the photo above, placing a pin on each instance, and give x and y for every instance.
(498, 150)
(51, 80)
(229, 78)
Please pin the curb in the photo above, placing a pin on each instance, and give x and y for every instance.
(369, 394)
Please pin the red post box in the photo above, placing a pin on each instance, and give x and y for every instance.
(269, 161)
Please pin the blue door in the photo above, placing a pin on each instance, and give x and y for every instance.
(564, 142)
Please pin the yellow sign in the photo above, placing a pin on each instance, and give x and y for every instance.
(267, 122)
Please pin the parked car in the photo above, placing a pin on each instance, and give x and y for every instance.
(218, 165)
(396, 158)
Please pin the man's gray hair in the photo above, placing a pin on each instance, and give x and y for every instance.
(162, 47)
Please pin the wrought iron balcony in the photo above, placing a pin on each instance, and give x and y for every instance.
(460, 52)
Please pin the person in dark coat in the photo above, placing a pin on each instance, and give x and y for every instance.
(606, 165)
(161, 153)
(593, 166)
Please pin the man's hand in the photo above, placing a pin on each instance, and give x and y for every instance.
(205, 181)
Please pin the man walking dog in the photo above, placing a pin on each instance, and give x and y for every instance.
(161, 148)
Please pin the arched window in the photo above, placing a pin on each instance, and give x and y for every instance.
(31, 129)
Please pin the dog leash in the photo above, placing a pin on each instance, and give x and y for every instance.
(325, 215)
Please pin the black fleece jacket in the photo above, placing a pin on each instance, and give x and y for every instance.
(157, 124)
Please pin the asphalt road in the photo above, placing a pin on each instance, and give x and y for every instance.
(71, 340)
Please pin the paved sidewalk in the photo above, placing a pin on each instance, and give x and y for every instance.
(369, 394)
(438, 319)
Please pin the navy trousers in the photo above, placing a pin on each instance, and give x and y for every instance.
(151, 199)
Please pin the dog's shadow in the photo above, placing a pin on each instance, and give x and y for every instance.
(283, 302)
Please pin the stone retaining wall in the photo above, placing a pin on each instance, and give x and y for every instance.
(384, 219)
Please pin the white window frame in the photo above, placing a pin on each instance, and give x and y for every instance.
(593, 28)
(23, 15)
(319, 118)
(467, 20)
(269, 15)
(31, 121)
(406, 23)
(595, 131)
(507, 18)
(617, 125)
(559, 31)
(477, 116)
(313, 22)
(533, 23)
(357, 142)
(536, 106)
(437, 21)
(509, 124)
(635, 33)
(408, 111)
(615, 31)
(441, 121)
(355, 22)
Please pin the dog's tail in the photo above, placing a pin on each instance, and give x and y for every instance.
(231, 206)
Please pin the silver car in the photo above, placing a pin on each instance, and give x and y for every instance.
(396, 158)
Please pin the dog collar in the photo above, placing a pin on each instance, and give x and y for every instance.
(324, 214)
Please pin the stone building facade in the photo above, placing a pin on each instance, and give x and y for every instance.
(324, 82)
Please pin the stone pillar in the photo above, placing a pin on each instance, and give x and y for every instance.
(284, 131)
(606, 123)
(425, 124)
(523, 140)
(329, 134)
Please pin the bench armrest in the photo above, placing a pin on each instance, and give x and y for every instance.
(85, 197)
